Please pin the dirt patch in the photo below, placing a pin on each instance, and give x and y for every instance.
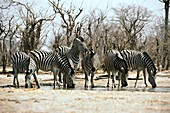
(96, 100)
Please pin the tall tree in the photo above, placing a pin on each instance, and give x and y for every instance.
(166, 48)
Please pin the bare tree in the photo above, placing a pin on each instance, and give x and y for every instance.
(33, 27)
(68, 17)
(131, 20)
(7, 31)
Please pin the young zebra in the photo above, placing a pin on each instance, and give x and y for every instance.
(116, 65)
(88, 68)
(56, 62)
(23, 62)
(139, 61)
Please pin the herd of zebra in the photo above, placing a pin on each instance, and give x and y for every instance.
(65, 60)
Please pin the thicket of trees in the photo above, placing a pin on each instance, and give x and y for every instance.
(128, 27)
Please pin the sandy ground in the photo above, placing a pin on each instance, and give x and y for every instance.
(79, 100)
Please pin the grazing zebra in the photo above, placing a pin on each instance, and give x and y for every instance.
(116, 65)
(72, 53)
(88, 68)
(140, 61)
(23, 62)
(55, 62)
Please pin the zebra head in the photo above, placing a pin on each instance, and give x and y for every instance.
(152, 77)
(151, 69)
(89, 53)
(124, 71)
(70, 79)
(80, 44)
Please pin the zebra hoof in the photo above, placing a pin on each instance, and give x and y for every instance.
(38, 86)
(124, 84)
(107, 85)
(92, 86)
(154, 86)
(73, 86)
(26, 85)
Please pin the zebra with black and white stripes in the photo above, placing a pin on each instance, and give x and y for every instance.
(113, 63)
(23, 62)
(72, 53)
(139, 61)
(55, 62)
(88, 68)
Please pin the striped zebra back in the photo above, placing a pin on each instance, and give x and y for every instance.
(133, 59)
(38, 56)
(20, 61)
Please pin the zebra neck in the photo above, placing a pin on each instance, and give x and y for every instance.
(73, 54)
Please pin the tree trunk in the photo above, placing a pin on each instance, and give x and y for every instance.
(166, 61)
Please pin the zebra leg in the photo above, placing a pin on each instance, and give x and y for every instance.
(137, 77)
(119, 78)
(59, 77)
(16, 78)
(86, 80)
(144, 75)
(64, 81)
(55, 72)
(92, 75)
(108, 78)
(35, 77)
(113, 80)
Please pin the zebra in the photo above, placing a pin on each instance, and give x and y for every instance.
(88, 68)
(23, 62)
(72, 53)
(115, 64)
(139, 61)
(56, 62)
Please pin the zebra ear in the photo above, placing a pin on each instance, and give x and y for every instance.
(145, 54)
(79, 39)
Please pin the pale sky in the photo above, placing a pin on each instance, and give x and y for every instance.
(154, 5)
